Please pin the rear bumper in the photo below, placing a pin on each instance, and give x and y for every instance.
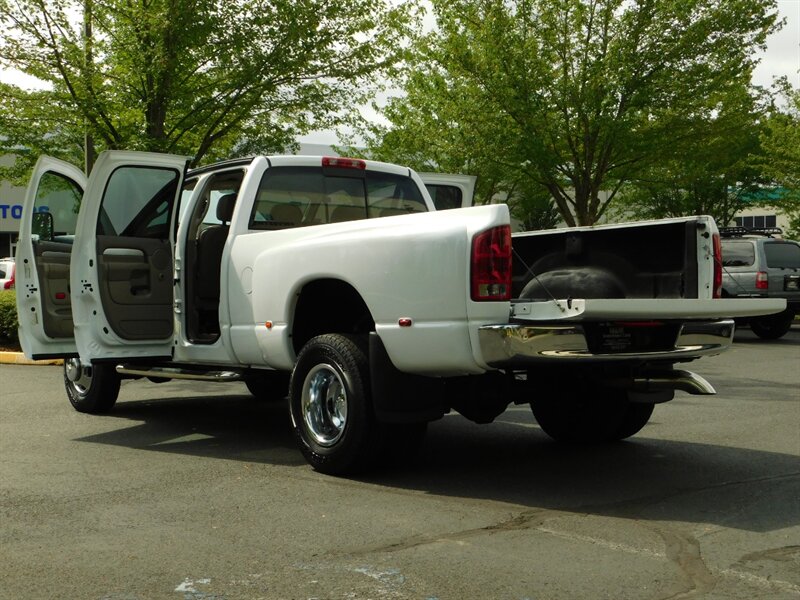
(518, 345)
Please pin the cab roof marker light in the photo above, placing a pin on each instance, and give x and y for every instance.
(344, 163)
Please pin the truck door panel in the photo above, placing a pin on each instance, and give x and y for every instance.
(52, 266)
(135, 277)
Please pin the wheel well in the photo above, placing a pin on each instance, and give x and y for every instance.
(329, 306)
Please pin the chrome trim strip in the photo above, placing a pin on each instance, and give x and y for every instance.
(513, 344)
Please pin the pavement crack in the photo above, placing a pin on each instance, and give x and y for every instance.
(684, 551)
(782, 554)
(531, 519)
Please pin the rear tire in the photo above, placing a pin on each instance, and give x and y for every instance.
(91, 388)
(331, 405)
(575, 418)
(772, 327)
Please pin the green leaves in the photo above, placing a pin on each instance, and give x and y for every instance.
(204, 78)
(577, 97)
(781, 142)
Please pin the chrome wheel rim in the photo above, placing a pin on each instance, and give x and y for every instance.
(78, 375)
(324, 404)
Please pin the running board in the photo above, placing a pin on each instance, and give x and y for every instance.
(178, 373)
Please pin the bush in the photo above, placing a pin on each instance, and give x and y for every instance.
(8, 317)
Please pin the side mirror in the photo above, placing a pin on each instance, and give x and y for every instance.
(42, 226)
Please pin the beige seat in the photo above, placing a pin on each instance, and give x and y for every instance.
(209, 259)
(348, 213)
(288, 215)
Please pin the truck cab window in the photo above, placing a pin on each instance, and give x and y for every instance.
(300, 196)
(445, 196)
(390, 195)
(60, 197)
(137, 203)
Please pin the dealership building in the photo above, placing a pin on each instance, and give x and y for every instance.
(11, 198)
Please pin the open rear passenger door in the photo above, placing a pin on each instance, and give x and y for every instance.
(49, 219)
(450, 190)
(122, 265)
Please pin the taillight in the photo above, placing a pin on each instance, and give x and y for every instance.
(344, 163)
(762, 280)
(717, 291)
(490, 264)
(8, 284)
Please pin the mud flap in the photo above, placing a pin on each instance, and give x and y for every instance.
(398, 397)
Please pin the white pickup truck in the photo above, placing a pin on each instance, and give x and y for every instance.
(334, 280)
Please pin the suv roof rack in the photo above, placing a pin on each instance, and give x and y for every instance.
(740, 231)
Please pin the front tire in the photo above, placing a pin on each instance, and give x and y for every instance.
(92, 388)
(331, 405)
(575, 418)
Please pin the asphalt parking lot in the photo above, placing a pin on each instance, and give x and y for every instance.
(189, 491)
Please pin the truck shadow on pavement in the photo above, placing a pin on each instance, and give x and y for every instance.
(640, 478)
(510, 461)
(232, 427)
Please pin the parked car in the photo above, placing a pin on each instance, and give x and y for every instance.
(758, 265)
(7, 273)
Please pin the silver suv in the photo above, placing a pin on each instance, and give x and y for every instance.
(755, 264)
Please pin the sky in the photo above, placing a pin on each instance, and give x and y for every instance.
(781, 58)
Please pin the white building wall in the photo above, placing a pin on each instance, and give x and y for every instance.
(11, 198)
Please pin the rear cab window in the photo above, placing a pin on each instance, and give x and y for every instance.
(301, 196)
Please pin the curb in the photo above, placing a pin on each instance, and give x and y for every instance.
(18, 358)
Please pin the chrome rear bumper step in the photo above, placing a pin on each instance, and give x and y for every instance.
(519, 345)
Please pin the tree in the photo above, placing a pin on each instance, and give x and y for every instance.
(578, 96)
(781, 142)
(204, 78)
(717, 174)
(432, 139)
